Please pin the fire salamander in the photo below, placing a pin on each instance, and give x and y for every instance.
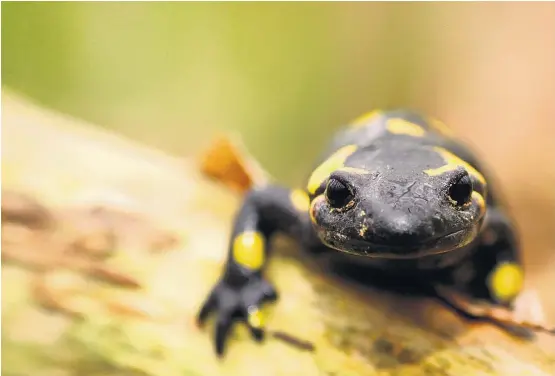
(397, 193)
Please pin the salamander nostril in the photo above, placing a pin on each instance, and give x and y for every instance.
(403, 230)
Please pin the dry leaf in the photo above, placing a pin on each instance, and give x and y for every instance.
(229, 163)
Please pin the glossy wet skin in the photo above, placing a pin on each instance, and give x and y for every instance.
(399, 201)
(397, 190)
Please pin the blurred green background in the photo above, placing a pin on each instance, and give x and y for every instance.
(284, 75)
(170, 74)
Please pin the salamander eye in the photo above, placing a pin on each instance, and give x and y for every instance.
(461, 190)
(338, 194)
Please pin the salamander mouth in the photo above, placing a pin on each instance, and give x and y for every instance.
(360, 247)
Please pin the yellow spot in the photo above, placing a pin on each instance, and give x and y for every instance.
(354, 170)
(255, 318)
(300, 200)
(441, 170)
(248, 249)
(363, 230)
(402, 126)
(365, 119)
(506, 281)
(452, 163)
(334, 162)
(479, 199)
(440, 127)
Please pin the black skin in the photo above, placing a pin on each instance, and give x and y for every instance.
(388, 216)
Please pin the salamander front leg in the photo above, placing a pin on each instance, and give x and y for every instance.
(242, 289)
(490, 284)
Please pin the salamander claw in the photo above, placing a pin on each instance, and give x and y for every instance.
(242, 303)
